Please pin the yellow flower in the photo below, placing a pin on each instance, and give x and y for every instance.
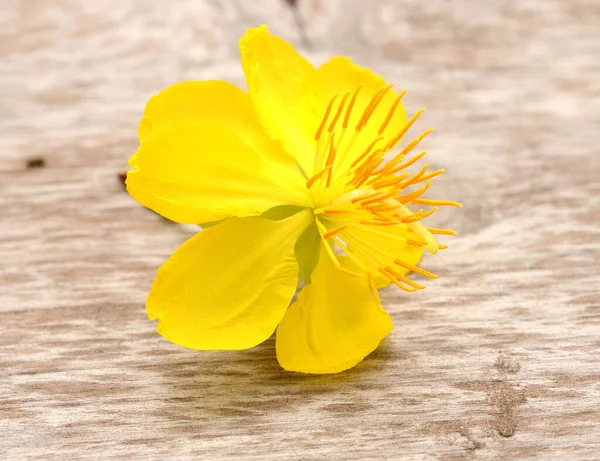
(292, 173)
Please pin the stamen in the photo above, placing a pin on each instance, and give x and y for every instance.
(351, 105)
(366, 169)
(334, 211)
(425, 201)
(386, 271)
(415, 269)
(332, 232)
(331, 254)
(416, 178)
(365, 197)
(330, 159)
(400, 155)
(375, 100)
(348, 272)
(381, 207)
(408, 163)
(405, 279)
(325, 117)
(433, 174)
(379, 183)
(367, 151)
(414, 217)
(338, 113)
(396, 139)
(349, 254)
(441, 231)
(391, 112)
(379, 223)
(385, 234)
(381, 197)
(409, 197)
(316, 176)
(374, 288)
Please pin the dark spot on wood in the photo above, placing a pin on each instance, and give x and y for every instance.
(122, 177)
(506, 398)
(506, 364)
(36, 162)
(472, 443)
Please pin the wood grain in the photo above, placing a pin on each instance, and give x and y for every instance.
(497, 359)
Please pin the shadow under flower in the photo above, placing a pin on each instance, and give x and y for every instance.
(226, 385)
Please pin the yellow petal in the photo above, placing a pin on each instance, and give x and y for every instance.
(199, 171)
(335, 323)
(280, 80)
(228, 286)
(340, 76)
(216, 100)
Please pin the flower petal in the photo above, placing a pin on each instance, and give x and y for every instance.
(339, 76)
(228, 286)
(199, 171)
(280, 80)
(214, 100)
(333, 325)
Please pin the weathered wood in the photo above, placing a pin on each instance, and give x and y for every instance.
(497, 359)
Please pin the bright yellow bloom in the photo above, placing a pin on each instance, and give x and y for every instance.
(293, 173)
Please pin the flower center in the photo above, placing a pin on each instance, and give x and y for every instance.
(360, 198)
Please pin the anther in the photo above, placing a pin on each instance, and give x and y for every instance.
(325, 117)
(441, 231)
(316, 176)
(338, 113)
(391, 112)
(351, 105)
(375, 100)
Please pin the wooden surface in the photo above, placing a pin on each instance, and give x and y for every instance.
(498, 359)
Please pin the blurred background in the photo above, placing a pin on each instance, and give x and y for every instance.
(512, 89)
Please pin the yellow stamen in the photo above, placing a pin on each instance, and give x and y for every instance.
(390, 182)
(316, 176)
(330, 159)
(441, 231)
(351, 105)
(375, 100)
(391, 112)
(400, 155)
(374, 288)
(408, 163)
(417, 243)
(409, 197)
(396, 139)
(338, 113)
(415, 269)
(348, 272)
(421, 177)
(405, 279)
(386, 271)
(367, 151)
(325, 117)
(332, 232)
(425, 201)
(364, 197)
